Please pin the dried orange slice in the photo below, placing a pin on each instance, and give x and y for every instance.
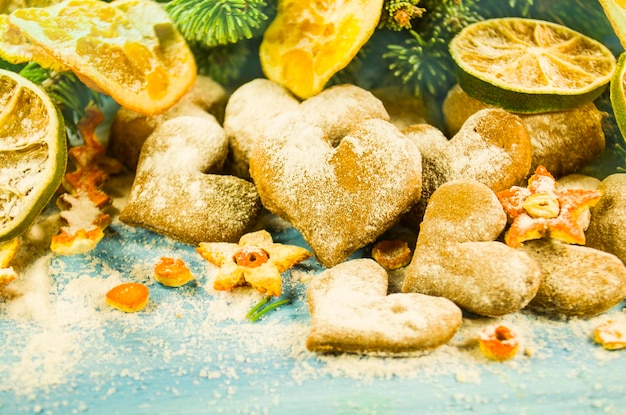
(128, 49)
(15, 48)
(309, 41)
(33, 152)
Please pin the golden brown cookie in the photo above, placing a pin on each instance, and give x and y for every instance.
(607, 227)
(576, 280)
(256, 260)
(457, 257)
(340, 198)
(177, 192)
(493, 147)
(130, 129)
(251, 110)
(576, 132)
(352, 313)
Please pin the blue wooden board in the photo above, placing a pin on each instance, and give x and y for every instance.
(191, 351)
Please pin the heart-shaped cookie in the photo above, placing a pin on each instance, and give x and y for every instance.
(340, 198)
(351, 312)
(457, 256)
(493, 147)
(175, 191)
(252, 107)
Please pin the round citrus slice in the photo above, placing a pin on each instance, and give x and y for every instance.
(618, 94)
(309, 41)
(33, 152)
(530, 66)
(615, 11)
(128, 49)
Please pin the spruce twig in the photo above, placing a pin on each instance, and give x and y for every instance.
(68, 92)
(218, 22)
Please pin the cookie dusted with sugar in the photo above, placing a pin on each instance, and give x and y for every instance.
(458, 257)
(493, 147)
(177, 191)
(130, 129)
(252, 108)
(576, 132)
(352, 313)
(607, 228)
(576, 280)
(341, 197)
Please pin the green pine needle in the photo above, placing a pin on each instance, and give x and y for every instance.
(217, 22)
(224, 64)
(262, 308)
(65, 89)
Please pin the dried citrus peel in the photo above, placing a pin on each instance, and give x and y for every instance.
(611, 334)
(543, 210)
(128, 49)
(308, 42)
(8, 250)
(172, 272)
(128, 297)
(498, 342)
(392, 253)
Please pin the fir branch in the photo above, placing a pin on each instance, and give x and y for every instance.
(422, 65)
(224, 64)
(218, 22)
(398, 15)
(65, 89)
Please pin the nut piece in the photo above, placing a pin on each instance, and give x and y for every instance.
(541, 205)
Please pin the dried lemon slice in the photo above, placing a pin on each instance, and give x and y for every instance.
(128, 49)
(308, 42)
(530, 66)
(33, 152)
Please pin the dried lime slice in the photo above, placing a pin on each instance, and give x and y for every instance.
(618, 99)
(530, 66)
(615, 11)
(33, 152)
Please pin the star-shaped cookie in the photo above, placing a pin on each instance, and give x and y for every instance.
(541, 209)
(255, 260)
